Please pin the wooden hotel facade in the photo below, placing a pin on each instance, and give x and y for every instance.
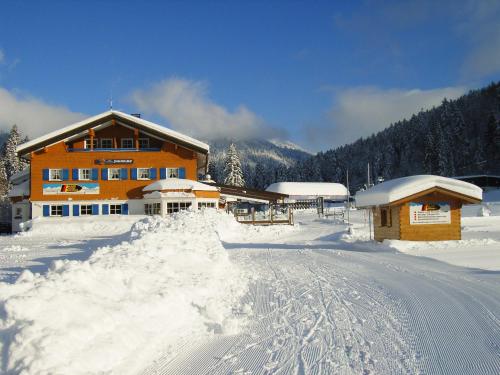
(101, 165)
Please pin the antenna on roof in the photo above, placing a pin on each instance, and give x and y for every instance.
(111, 100)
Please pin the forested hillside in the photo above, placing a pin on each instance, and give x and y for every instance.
(458, 137)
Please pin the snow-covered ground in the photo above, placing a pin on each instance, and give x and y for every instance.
(227, 298)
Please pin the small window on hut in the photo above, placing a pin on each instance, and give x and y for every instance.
(385, 217)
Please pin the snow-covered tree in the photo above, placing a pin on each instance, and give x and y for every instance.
(4, 182)
(11, 161)
(233, 175)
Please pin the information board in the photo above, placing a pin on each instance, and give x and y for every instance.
(64, 189)
(430, 213)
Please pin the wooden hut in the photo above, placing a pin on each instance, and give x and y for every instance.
(418, 208)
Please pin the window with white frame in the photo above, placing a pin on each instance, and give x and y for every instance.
(56, 210)
(143, 142)
(127, 143)
(55, 174)
(106, 143)
(143, 173)
(152, 208)
(115, 209)
(84, 174)
(173, 173)
(113, 173)
(177, 206)
(86, 209)
(86, 143)
(202, 205)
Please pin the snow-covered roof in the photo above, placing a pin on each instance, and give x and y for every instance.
(308, 188)
(21, 190)
(399, 188)
(178, 184)
(78, 126)
(20, 176)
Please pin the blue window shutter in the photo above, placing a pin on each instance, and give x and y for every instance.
(46, 210)
(125, 209)
(163, 173)
(65, 174)
(75, 174)
(105, 209)
(76, 210)
(95, 209)
(95, 174)
(152, 173)
(65, 210)
(133, 173)
(104, 174)
(123, 174)
(45, 173)
(182, 172)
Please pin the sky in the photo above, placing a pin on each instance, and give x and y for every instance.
(319, 74)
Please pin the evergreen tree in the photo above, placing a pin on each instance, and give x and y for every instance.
(4, 182)
(232, 169)
(12, 162)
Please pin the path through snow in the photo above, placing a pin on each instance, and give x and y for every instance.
(325, 306)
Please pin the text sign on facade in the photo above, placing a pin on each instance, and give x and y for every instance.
(65, 189)
(114, 161)
(430, 213)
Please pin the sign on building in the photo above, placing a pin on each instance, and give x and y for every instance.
(430, 213)
(65, 189)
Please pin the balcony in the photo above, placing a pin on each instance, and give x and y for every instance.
(150, 149)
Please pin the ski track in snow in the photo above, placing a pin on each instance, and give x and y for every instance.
(338, 308)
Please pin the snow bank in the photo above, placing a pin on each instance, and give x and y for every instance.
(69, 226)
(126, 305)
(393, 190)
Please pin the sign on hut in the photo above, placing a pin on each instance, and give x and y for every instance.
(418, 208)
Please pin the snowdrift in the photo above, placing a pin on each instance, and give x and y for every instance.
(118, 311)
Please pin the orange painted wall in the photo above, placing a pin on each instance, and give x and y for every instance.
(56, 156)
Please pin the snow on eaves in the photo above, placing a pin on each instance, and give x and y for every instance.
(308, 188)
(21, 190)
(399, 188)
(178, 184)
(148, 124)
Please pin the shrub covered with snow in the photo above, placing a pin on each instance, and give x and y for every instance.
(117, 311)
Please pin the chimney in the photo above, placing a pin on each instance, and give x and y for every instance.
(138, 115)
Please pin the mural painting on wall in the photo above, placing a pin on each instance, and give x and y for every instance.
(64, 189)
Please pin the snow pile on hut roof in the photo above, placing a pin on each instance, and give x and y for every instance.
(308, 188)
(118, 311)
(399, 188)
(178, 184)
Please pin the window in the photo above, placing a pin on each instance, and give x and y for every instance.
(143, 142)
(152, 208)
(177, 206)
(84, 174)
(56, 210)
(87, 143)
(106, 143)
(206, 205)
(86, 209)
(143, 173)
(115, 209)
(173, 173)
(113, 173)
(385, 217)
(55, 174)
(127, 143)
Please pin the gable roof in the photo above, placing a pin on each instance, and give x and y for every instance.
(396, 190)
(141, 124)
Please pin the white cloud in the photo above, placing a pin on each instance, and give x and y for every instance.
(362, 111)
(33, 116)
(186, 106)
